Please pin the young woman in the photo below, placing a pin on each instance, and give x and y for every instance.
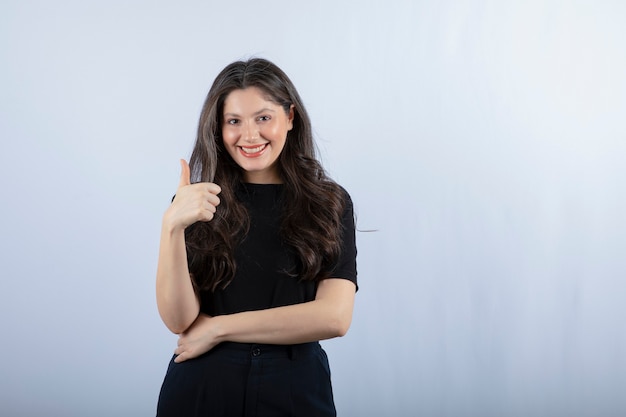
(257, 260)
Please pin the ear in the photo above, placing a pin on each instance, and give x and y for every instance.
(290, 116)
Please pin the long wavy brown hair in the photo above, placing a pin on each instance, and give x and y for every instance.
(313, 203)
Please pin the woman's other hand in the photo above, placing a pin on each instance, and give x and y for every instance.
(202, 336)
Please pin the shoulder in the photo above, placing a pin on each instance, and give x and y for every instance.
(347, 208)
(345, 197)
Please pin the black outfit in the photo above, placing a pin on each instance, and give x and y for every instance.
(241, 379)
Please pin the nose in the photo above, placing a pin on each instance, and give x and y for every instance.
(250, 132)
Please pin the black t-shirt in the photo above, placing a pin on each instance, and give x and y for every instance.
(263, 260)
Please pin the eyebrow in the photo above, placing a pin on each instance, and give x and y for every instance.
(263, 110)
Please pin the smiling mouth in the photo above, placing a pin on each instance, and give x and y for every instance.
(251, 151)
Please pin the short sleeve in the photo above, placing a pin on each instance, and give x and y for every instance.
(346, 264)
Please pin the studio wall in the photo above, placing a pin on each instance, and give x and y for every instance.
(482, 143)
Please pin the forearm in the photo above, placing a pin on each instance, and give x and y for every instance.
(176, 299)
(326, 317)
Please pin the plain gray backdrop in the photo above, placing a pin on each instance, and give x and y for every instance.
(483, 141)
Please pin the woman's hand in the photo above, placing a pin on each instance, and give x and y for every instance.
(193, 202)
(201, 337)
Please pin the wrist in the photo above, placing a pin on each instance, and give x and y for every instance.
(220, 328)
(170, 227)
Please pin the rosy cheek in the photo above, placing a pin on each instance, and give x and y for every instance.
(228, 136)
(271, 130)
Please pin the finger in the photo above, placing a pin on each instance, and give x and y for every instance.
(213, 200)
(206, 188)
(179, 351)
(185, 174)
(213, 188)
(207, 216)
(208, 207)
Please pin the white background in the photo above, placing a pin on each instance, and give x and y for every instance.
(483, 140)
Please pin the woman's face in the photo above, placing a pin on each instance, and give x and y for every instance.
(254, 133)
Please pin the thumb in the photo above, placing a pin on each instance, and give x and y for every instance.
(185, 174)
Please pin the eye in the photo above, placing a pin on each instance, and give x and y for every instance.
(264, 119)
(232, 121)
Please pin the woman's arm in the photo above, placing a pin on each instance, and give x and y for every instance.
(328, 316)
(177, 301)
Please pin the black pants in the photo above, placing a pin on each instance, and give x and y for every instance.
(246, 380)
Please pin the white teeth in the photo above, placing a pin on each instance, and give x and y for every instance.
(253, 150)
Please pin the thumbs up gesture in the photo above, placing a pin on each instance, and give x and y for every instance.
(193, 202)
